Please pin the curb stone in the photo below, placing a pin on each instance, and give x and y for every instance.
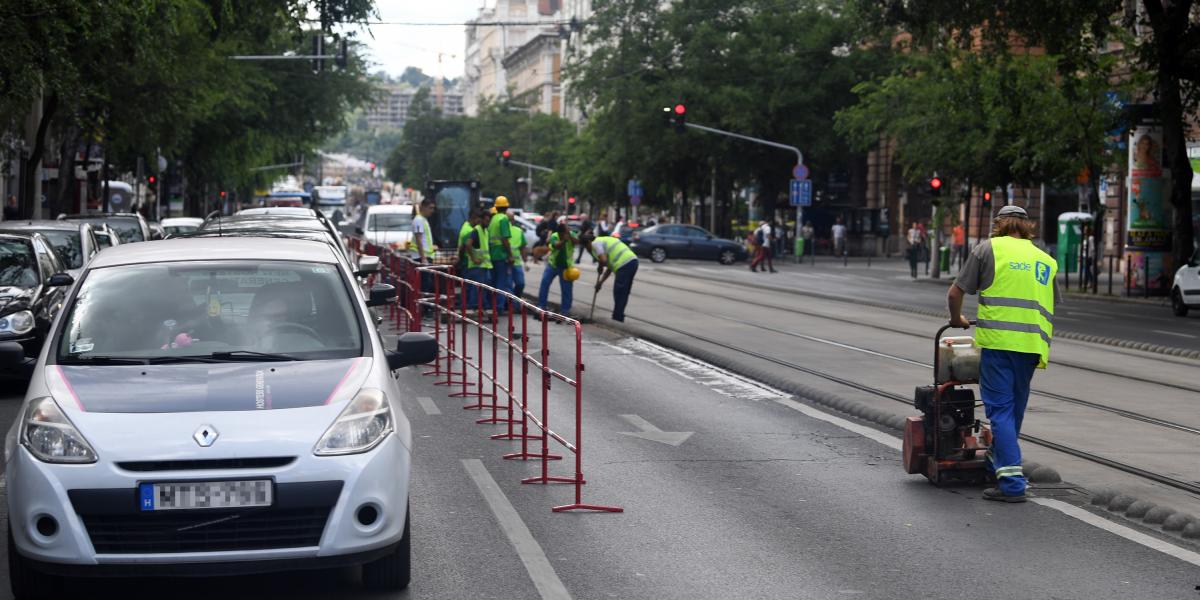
(1173, 522)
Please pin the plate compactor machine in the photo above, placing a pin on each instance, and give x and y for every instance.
(947, 443)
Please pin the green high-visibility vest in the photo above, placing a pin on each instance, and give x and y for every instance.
(516, 241)
(1016, 312)
(485, 261)
(618, 253)
(498, 231)
(561, 258)
(463, 233)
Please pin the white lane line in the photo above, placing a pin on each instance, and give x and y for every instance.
(1121, 530)
(890, 441)
(710, 376)
(549, 586)
(428, 406)
(1175, 333)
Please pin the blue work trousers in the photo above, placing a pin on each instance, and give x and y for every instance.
(477, 275)
(517, 272)
(1004, 378)
(566, 287)
(502, 280)
(622, 285)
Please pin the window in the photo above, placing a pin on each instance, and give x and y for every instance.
(18, 267)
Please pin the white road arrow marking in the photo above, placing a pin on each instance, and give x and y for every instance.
(654, 434)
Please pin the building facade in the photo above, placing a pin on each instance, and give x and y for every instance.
(502, 30)
(395, 100)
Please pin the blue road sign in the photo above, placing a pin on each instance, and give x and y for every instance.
(800, 172)
(800, 192)
(634, 188)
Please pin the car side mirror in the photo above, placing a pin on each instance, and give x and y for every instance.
(413, 348)
(381, 294)
(12, 354)
(359, 230)
(367, 264)
(60, 280)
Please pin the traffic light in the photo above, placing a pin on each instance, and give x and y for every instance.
(571, 200)
(504, 157)
(339, 59)
(151, 180)
(935, 186)
(987, 200)
(676, 116)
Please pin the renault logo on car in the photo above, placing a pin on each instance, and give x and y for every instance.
(205, 435)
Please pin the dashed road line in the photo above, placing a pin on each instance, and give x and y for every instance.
(890, 441)
(549, 586)
(1175, 333)
(428, 406)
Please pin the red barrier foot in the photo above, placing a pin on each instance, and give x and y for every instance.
(495, 420)
(530, 456)
(552, 479)
(472, 395)
(515, 436)
(591, 507)
(469, 384)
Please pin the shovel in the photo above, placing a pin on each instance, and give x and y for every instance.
(592, 313)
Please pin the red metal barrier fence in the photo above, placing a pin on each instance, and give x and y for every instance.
(434, 290)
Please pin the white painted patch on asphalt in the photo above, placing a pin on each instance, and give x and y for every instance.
(1175, 333)
(710, 376)
(545, 579)
(890, 441)
(1117, 529)
(428, 406)
(649, 432)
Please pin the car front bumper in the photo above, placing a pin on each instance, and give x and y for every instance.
(378, 478)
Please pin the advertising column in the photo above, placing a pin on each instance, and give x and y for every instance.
(1148, 234)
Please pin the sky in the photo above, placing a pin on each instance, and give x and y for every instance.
(393, 47)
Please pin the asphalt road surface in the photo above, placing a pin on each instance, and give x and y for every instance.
(766, 498)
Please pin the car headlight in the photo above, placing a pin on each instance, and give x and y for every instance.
(20, 322)
(361, 426)
(51, 437)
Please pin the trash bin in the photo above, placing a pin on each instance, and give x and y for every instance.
(944, 259)
(1070, 236)
(799, 249)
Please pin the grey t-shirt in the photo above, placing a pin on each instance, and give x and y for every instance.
(979, 271)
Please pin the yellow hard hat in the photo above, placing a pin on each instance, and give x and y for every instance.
(501, 202)
(493, 210)
(571, 274)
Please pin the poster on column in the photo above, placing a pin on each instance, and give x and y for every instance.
(1146, 215)
(1158, 273)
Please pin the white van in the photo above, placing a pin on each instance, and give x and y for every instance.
(389, 225)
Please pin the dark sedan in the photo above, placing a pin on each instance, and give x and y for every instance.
(33, 284)
(684, 241)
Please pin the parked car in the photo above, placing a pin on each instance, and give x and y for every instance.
(33, 284)
(624, 231)
(178, 225)
(106, 236)
(242, 418)
(130, 226)
(1185, 291)
(684, 241)
(389, 225)
(74, 242)
(290, 211)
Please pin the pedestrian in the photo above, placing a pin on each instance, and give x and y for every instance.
(562, 246)
(1017, 291)
(543, 231)
(422, 233)
(806, 232)
(585, 226)
(924, 244)
(499, 232)
(839, 238)
(478, 261)
(12, 211)
(959, 245)
(602, 227)
(762, 247)
(614, 257)
(1087, 259)
(913, 253)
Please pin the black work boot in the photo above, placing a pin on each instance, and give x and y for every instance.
(995, 495)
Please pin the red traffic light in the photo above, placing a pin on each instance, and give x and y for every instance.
(506, 154)
(680, 109)
(222, 193)
(571, 200)
(987, 196)
(152, 179)
(371, 166)
(935, 183)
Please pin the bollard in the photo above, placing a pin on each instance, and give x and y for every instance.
(1128, 275)
(1067, 279)
(1146, 275)
(1110, 274)
(845, 259)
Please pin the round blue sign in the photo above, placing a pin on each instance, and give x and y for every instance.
(799, 172)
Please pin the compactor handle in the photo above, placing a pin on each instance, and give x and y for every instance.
(937, 340)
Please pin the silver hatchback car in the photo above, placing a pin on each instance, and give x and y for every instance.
(209, 407)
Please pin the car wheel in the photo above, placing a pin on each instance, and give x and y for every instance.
(1177, 306)
(658, 254)
(391, 572)
(727, 257)
(25, 581)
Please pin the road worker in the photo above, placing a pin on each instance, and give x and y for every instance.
(562, 245)
(1017, 292)
(520, 253)
(500, 250)
(473, 243)
(614, 257)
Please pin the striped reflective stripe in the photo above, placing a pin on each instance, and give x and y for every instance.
(1017, 303)
(1011, 326)
(1010, 472)
(618, 252)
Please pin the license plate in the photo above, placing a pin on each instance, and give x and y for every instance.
(205, 494)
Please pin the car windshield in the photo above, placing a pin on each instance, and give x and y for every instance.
(17, 265)
(67, 245)
(200, 309)
(127, 228)
(103, 239)
(389, 222)
(177, 229)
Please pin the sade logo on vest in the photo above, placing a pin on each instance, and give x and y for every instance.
(1042, 273)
